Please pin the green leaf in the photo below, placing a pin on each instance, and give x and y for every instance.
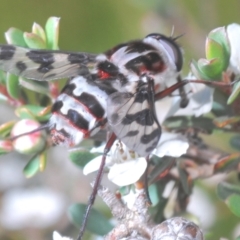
(228, 162)
(2, 77)
(197, 71)
(42, 161)
(162, 165)
(81, 156)
(37, 29)
(217, 56)
(12, 84)
(34, 41)
(220, 35)
(32, 167)
(157, 211)
(185, 180)
(15, 36)
(52, 32)
(124, 190)
(6, 128)
(32, 112)
(224, 190)
(233, 202)
(97, 223)
(213, 49)
(154, 195)
(235, 142)
(217, 46)
(24, 113)
(235, 93)
(211, 68)
(40, 87)
(225, 121)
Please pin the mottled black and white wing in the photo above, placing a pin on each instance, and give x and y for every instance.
(133, 120)
(43, 65)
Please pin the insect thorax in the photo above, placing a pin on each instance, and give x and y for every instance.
(81, 109)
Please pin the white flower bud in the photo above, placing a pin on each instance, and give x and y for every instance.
(28, 143)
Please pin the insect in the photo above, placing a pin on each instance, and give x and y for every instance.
(117, 89)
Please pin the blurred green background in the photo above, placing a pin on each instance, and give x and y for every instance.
(97, 25)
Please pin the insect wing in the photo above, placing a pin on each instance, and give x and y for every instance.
(133, 120)
(43, 65)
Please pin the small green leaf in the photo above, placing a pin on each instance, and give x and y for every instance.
(15, 36)
(235, 93)
(233, 202)
(37, 29)
(40, 87)
(52, 32)
(6, 128)
(185, 180)
(81, 156)
(221, 51)
(197, 71)
(235, 142)
(32, 167)
(2, 77)
(97, 223)
(44, 112)
(124, 190)
(213, 49)
(154, 194)
(32, 112)
(217, 56)
(228, 162)
(225, 121)
(34, 41)
(220, 35)
(42, 161)
(24, 113)
(157, 211)
(224, 190)
(210, 68)
(162, 167)
(12, 84)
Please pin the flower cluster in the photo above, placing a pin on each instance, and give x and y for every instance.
(125, 166)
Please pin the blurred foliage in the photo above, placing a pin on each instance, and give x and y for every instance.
(94, 26)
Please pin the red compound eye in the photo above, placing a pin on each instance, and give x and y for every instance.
(103, 74)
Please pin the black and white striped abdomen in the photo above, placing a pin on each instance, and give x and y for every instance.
(79, 112)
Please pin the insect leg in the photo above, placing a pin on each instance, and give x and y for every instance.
(96, 184)
(184, 99)
(43, 127)
(178, 85)
(149, 202)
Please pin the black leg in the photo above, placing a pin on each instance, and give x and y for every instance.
(149, 202)
(96, 184)
(180, 84)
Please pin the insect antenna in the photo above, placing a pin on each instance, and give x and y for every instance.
(43, 127)
(177, 37)
(96, 184)
(172, 33)
(173, 29)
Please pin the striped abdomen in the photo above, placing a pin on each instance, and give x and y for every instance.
(79, 111)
